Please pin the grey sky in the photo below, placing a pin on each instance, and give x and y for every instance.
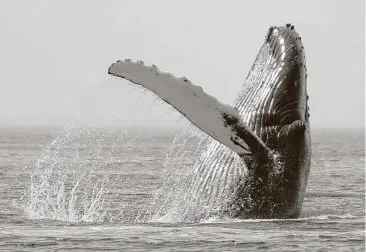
(55, 56)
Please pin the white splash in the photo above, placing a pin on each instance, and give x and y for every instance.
(180, 158)
(67, 184)
(194, 188)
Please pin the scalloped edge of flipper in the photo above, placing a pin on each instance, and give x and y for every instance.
(219, 120)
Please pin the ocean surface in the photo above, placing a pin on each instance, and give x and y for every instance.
(84, 189)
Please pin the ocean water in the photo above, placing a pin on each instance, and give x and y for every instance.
(84, 189)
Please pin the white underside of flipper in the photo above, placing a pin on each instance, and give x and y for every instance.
(202, 109)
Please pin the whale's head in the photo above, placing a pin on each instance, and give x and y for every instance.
(274, 97)
(289, 93)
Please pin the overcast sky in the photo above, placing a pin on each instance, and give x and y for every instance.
(54, 56)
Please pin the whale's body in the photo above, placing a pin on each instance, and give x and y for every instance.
(267, 129)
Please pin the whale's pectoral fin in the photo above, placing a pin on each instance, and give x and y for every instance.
(220, 121)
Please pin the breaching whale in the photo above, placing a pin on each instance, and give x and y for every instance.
(267, 127)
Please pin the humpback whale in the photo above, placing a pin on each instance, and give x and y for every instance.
(267, 127)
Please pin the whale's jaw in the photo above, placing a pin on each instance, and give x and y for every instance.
(268, 128)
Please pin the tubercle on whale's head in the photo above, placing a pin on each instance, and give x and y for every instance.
(290, 92)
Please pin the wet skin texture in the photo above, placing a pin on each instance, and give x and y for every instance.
(277, 176)
(270, 132)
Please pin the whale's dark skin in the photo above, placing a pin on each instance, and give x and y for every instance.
(275, 184)
(270, 132)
